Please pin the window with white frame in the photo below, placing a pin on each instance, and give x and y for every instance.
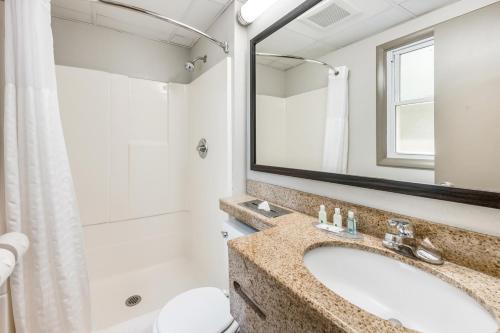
(410, 101)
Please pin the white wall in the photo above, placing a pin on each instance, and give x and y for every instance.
(239, 110)
(226, 29)
(121, 133)
(2, 81)
(84, 45)
(210, 178)
(84, 103)
(223, 30)
(128, 144)
(306, 129)
(271, 81)
(271, 130)
(476, 218)
(127, 141)
(311, 77)
(288, 133)
(470, 41)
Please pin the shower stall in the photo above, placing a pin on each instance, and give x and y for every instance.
(148, 200)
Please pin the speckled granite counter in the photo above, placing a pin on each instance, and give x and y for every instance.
(258, 221)
(268, 267)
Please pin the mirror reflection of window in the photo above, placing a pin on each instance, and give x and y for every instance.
(421, 96)
(410, 96)
(406, 118)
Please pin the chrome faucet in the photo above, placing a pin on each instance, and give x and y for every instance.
(404, 242)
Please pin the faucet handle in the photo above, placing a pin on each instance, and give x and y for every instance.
(405, 227)
(427, 252)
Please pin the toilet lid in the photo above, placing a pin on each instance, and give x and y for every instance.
(194, 311)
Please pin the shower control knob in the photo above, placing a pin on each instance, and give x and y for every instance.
(202, 148)
(224, 234)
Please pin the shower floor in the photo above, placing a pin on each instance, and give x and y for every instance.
(141, 324)
(156, 285)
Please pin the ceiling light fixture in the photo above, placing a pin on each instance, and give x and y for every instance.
(253, 9)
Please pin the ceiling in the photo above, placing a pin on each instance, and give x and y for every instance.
(200, 14)
(333, 24)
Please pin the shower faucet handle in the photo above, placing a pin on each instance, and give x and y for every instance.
(202, 148)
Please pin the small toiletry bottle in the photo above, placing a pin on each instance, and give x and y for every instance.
(322, 214)
(337, 219)
(351, 223)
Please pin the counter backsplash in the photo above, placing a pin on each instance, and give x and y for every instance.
(466, 248)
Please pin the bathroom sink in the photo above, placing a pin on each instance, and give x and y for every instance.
(395, 291)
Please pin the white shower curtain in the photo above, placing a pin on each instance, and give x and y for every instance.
(336, 139)
(50, 285)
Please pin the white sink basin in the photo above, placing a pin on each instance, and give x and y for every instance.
(396, 291)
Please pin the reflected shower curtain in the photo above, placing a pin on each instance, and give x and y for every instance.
(50, 285)
(336, 142)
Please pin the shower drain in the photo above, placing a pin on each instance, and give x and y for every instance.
(133, 300)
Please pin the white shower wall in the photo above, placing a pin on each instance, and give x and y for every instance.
(141, 185)
(210, 178)
(288, 132)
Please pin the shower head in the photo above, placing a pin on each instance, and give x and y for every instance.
(190, 65)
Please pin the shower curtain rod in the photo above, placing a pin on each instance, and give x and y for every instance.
(223, 45)
(335, 71)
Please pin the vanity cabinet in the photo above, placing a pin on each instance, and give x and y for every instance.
(260, 305)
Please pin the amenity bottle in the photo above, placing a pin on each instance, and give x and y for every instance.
(351, 223)
(337, 219)
(322, 214)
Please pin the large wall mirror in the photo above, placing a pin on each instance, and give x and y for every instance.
(401, 96)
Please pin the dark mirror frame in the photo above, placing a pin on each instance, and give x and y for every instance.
(466, 196)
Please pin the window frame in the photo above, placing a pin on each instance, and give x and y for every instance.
(393, 58)
(387, 74)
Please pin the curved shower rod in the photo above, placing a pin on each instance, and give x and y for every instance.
(223, 45)
(313, 61)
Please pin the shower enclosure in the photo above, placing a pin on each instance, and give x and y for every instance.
(148, 201)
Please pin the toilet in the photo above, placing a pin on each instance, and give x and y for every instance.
(202, 309)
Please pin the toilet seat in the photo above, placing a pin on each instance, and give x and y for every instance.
(197, 310)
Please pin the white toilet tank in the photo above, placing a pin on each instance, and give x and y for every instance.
(232, 228)
(213, 307)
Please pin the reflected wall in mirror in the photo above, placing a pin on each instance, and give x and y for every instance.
(406, 92)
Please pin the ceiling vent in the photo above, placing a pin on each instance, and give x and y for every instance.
(329, 16)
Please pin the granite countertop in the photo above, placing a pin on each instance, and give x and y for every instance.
(280, 247)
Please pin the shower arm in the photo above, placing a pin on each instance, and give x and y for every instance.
(274, 55)
(223, 45)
